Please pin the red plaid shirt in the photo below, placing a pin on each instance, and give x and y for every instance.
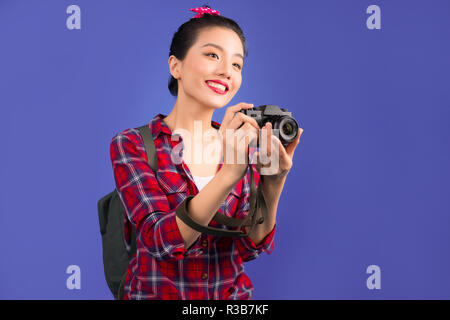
(212, 268)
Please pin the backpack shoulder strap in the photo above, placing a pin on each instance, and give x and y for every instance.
(152, 161)
(150, 149)
(149, 146)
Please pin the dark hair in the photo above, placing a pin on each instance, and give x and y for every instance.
(187, 34)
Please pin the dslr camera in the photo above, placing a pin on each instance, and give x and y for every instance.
(281, 119)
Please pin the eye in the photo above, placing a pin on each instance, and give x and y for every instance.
(211, 54)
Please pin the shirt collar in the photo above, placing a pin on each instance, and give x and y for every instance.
(158, 126)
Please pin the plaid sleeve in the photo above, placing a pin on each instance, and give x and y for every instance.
(247, 249)
(145, 203)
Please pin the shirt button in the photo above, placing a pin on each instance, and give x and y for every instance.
(204, 276)
(205, 243)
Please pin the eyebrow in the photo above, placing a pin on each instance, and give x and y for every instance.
(221, 49)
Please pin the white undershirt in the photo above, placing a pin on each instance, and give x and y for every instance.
(201, 181)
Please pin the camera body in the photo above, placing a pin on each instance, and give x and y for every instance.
(284, 125)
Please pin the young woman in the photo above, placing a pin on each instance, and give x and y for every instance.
(174, 261)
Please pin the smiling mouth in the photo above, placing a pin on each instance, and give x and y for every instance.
(216, 87)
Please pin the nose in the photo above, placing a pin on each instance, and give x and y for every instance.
(224, 68)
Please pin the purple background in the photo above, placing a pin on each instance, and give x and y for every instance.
(370, 182)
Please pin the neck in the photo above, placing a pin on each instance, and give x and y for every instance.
(187, 115)
(186, 112)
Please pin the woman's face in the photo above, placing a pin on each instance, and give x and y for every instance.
(211, 70)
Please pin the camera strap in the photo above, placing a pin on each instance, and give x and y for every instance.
(256, 201)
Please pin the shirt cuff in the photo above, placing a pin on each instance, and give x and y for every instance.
(266, 244)
(164, 239)
(252, 251)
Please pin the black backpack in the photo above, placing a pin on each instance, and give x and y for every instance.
(111, 213)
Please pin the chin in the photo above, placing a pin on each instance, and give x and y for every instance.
(218, 105)
(216, 102)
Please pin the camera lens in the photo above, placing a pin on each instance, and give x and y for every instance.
(288, 129)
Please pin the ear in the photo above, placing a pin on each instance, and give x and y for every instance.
(174, 67)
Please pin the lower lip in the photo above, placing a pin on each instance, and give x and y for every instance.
(217, 90)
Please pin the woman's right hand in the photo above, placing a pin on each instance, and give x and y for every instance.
(237, 131)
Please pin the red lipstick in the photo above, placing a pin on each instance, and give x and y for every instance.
(217, 90)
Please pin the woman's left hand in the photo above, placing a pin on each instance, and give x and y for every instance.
(273, 162)
(273, 159)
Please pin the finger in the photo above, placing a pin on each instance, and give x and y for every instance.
(241, 118)
(229, 113)
(251, 133)
(247, 130)
(266, 143)
(269, 137)
(251, 121)
(290, 148)
(242, 146)
(259, 162)
(250, 139)
(278, 147)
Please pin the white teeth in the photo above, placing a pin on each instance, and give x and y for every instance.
(216, 85)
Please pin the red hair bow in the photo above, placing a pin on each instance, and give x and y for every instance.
(202, 10)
